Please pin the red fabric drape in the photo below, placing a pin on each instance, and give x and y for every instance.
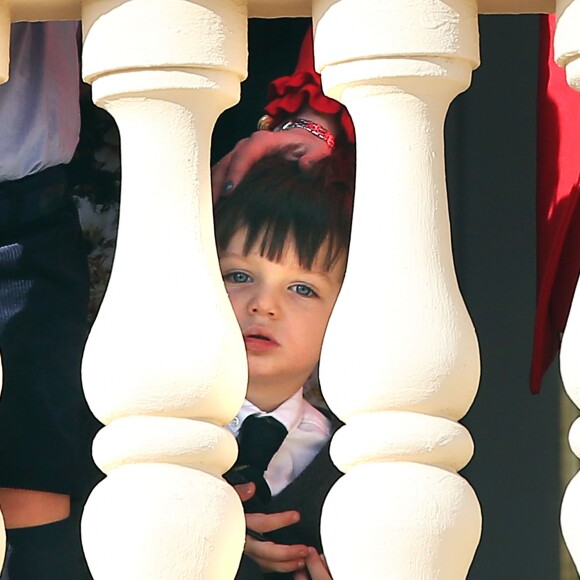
(287, 95)
(558, 208)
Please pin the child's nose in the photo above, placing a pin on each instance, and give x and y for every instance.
(264, 304)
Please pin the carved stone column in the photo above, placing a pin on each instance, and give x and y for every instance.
(164, 366)
(400, 363)
(570, 369)
(567, 54)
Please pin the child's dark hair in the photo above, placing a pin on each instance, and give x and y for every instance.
(277, 201)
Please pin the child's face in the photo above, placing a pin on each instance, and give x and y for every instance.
(282, 310)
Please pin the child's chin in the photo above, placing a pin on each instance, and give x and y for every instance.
(260, 370)
(261, 379)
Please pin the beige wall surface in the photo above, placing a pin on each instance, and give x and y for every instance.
(516, 6)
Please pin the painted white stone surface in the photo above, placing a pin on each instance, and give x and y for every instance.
(400, 363)
(566, 45)
(163, 446)
(164, 366)
(570, 369)
(71, 9)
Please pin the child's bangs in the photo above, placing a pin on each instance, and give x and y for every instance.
(278, 206)
(276, 238)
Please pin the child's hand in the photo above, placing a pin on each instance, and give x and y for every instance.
(316, 568)
(271, 557)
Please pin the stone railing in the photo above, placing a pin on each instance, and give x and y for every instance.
(175, 372)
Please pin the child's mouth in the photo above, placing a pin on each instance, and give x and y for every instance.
(257, 342)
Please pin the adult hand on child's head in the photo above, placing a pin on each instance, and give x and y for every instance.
(316, 568)
(271, 557)
(294, 144)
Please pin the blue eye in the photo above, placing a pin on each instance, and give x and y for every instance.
(238, 277)
(303, 290)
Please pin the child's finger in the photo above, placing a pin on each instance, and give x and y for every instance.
(316, 566)
(246, 152)
(245, 490)
(269, 522)
(276, 557)
(286, 567)
(276, 552)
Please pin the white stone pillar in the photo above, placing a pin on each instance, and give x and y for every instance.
(566, 42)
(164, 366)
(570, 369)
(400, 363)
(567, 54)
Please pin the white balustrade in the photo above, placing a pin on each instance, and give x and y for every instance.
(164, 366)
(566, 45)
(400, 363)
(570, 369)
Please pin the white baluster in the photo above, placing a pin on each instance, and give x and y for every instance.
(164, 367)
(570, 369)
(400, 363)
(566, 45)
(567, 53)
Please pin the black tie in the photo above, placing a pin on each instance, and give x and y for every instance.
(259, 438)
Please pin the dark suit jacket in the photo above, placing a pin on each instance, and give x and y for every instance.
(305, 494)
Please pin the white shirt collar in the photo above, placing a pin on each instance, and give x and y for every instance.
(308, 431)
(289, 413)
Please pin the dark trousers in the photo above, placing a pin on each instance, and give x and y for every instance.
(45, 425)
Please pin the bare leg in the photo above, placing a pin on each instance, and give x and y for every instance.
(23, 508)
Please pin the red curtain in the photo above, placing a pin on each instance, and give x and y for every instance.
(558, 209)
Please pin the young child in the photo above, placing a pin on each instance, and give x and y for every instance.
(282, 239)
